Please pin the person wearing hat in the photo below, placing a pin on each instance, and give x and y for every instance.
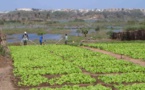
(25, 38)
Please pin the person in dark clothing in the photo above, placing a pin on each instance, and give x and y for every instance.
(41, 39)
(25, 38)
(66, 38)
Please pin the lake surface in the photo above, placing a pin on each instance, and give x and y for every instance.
(18, 37)
(33, 36)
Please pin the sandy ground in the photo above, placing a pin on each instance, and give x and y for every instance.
(5, 74)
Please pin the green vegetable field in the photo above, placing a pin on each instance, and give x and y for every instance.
(133, 49)
(63, 67)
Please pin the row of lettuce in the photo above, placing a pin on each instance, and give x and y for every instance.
(62, 65)
(140, 86)
(133, 49)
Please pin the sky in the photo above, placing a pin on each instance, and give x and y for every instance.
(10, 5)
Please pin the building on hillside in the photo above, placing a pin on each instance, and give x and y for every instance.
(24, 9)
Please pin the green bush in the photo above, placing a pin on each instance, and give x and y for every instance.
(140, 27)
(1, 22)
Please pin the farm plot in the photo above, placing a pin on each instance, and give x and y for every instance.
(133, 49)
(62, 67)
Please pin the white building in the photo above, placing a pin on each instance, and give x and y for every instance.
(24, 9)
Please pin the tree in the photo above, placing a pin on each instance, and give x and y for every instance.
(48, 15)
(1, 22)
(19, 15)
(39, 14)
(23, 20)
(97, 28)
(35, 15)
(84, 31)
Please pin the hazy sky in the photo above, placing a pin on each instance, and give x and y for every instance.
(8, 5)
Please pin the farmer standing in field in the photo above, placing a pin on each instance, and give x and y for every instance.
(41, 39)
(25, 38)
(66, 38)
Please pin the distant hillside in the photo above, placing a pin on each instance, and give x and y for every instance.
(135, 14)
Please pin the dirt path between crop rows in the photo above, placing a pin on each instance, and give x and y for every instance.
(5, 74)
(118, 56)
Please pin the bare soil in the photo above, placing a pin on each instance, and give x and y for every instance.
(5, 74)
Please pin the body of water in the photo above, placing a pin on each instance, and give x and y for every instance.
(18, 37)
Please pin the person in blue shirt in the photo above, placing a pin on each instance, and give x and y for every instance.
(41, 39)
